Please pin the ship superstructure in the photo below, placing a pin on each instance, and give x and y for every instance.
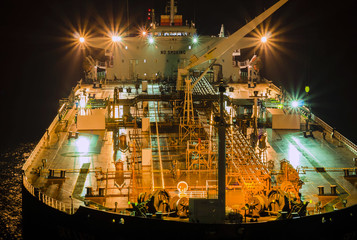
(164, 130)
(156, 52)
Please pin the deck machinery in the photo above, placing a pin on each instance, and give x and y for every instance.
(158, 161)
(186, 152)
(178, 148)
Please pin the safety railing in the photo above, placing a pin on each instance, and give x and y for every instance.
(38, 147)
(52, 202)
(196, 194)
(44, 138)
(49, 201)
(30, 188)
(305, 111)
(330, 130)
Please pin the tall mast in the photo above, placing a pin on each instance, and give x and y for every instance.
(172, 12)
(221, 155)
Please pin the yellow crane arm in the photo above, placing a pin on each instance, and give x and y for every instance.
(224, 45)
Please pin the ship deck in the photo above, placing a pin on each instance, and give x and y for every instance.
(89, 161)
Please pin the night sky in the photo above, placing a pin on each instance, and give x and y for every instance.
(315, 45)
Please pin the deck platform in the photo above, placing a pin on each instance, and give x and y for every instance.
(88, 162)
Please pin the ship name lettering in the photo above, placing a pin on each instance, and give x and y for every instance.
(173, 52)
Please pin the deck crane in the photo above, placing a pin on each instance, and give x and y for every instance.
(223, 46)
(188, 121)
(213, 54)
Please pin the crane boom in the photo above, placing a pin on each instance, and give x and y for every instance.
(224, 45)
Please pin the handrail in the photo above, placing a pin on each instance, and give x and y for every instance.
(28, 186)
(330, 130)
(43, 139)
(305, 111)
(49, 201)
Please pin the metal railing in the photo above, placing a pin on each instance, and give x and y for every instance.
(38, 147)
(350, 145)
(196, 194)
(49, 201)
(45, 137)
(41, 196)
(305, 111)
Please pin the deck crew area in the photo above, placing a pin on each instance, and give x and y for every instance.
(142, 142)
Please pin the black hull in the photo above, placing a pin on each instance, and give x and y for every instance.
(43, 222)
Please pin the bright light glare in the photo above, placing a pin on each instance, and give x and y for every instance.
(264, 39)
(294, 156)
(151, 40)
(82, 101)
(144, 33)
(116, 38)
(82, 144)
(81, 39)
(195, 40)
(294, 104)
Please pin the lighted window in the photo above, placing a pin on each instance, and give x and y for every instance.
(189, 47)
(144, 60)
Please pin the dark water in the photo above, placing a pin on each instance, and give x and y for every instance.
(11, 161)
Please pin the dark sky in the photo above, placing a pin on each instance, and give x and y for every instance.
(315, 46)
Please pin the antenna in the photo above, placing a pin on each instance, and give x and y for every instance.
(172, 12)
(127, 15)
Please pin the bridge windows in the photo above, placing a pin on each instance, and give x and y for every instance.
(174, 34)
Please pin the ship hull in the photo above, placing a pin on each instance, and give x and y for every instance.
(44, 222)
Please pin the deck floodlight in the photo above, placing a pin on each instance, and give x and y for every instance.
(195, 39)
(81, 39)
(297, 103)
(264, 39)
(151, 40)
(294, 104)
(116, 38)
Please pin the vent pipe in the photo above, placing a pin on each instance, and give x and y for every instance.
(172, 12)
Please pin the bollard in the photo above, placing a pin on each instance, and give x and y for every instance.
(346, 172)
(63, 173)
(333, 190)
(321, 190)
(284, 215)
(51, 174)
(89, 191)
(44, 161)
(101, 192)
(158, 215)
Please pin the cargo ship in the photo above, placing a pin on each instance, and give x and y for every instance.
(171, 134)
